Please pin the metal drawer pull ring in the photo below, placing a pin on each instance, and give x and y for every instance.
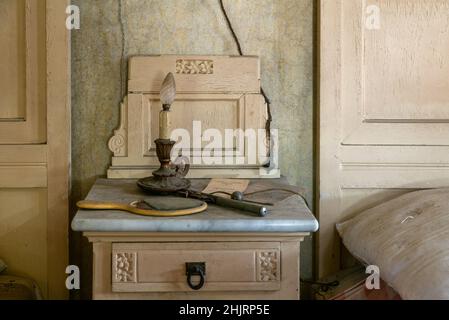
(195, 269)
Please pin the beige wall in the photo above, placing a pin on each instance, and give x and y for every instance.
(34, 142)
(279, 31)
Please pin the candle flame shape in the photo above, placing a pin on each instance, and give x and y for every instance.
(168, 91)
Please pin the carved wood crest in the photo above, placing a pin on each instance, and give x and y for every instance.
(216, 96)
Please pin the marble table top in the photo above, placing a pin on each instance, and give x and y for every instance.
(289, 213)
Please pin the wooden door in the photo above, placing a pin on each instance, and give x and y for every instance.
(34, 141)
(384, 107)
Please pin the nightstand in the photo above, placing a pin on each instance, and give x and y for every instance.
(237, 255)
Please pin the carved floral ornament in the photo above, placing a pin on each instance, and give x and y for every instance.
(268, 265)
(185, 66)
(124, 267)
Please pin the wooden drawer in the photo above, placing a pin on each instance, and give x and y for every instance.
(230, 266)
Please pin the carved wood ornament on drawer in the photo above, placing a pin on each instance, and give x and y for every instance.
(268, 266)
(125, 267)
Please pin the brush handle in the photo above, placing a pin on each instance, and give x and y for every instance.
(102, 205)
(261, 211)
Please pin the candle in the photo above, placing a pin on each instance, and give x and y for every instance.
(168, 94)
(164, 124)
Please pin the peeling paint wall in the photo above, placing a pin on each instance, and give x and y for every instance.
(279, 31)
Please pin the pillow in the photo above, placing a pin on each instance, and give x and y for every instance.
(408, 239)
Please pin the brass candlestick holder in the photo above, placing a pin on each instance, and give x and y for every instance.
(169, 177)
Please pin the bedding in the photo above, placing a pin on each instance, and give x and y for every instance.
(408, 239)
